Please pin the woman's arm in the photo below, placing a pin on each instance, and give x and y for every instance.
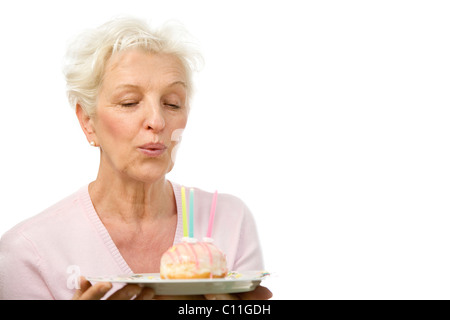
(21, 270)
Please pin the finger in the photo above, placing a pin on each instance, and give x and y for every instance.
(96, 292)
(126, 293)
(260, 293)
(84, 285)
(146, 294)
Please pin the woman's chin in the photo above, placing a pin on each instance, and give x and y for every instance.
(151, 174)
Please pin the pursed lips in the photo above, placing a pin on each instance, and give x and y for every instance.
(153, 149)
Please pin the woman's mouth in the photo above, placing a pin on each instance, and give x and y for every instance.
(152, 149)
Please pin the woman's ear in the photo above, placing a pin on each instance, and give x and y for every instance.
(86, 124)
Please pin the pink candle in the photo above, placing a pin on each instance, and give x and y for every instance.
(211, 215)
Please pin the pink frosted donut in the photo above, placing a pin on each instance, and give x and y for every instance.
(193, 260)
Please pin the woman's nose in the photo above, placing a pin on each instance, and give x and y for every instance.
(154, 117)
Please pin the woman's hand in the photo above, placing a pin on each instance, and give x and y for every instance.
(88, 291)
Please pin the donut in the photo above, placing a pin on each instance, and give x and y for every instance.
(191, 259)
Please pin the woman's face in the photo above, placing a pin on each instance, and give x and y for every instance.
(142, 103)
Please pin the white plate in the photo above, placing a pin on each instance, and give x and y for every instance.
(234, 282)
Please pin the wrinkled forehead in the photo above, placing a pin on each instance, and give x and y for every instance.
(137, 67)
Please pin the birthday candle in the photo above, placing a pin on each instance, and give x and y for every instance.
(183, 206)
(211, 215)
(191, 214)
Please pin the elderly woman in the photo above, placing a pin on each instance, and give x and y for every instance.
(130, 87)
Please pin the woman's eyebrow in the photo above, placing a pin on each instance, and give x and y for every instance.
(182, 83)
(126, 86)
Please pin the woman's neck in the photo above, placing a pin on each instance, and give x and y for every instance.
(131, 201)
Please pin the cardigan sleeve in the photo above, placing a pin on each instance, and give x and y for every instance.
(20, 269)
(249, 254)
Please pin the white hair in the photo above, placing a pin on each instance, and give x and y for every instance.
(88, 54)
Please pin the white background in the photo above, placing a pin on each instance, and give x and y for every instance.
(330, 119)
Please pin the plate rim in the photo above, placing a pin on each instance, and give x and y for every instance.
(238, 282)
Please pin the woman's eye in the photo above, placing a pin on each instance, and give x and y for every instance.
(173, 106)
(129, 104)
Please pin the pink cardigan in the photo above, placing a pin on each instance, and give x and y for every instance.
(42, 257)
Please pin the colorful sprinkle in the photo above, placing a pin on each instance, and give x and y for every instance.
(234, 275)
(264, 274)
